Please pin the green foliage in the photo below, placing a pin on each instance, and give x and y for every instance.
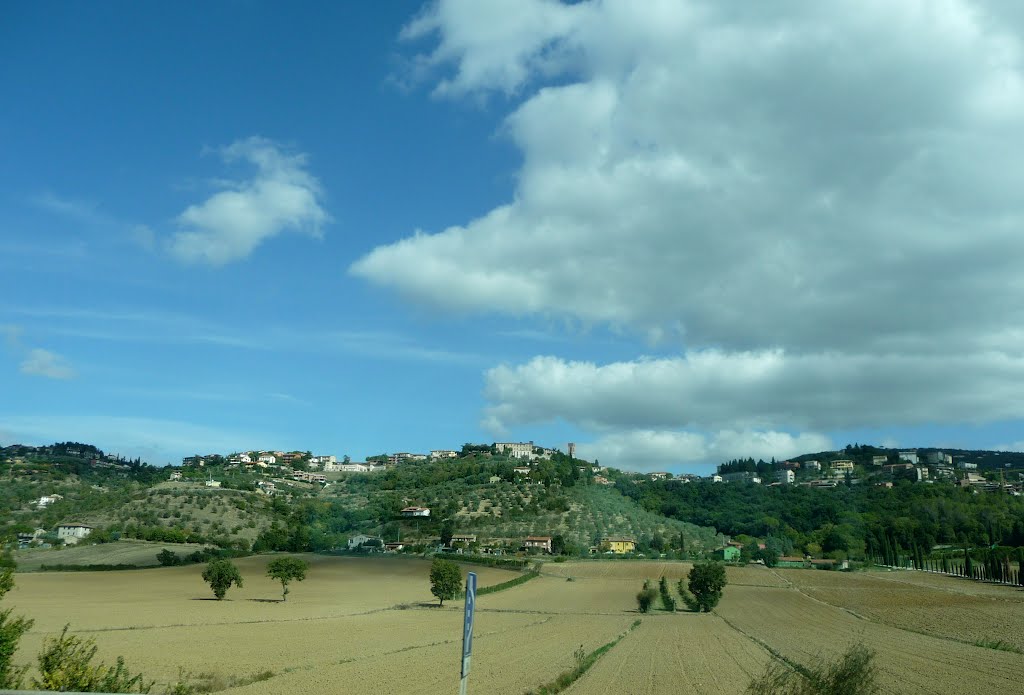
(65, 663)
(494, 588)
(854, 673)
(858, 520)
(645, 598)
(11, 631)
(667, 602)
(220, 575)
(706, 582)
(286, 570)
(168, 558)
(445, 579)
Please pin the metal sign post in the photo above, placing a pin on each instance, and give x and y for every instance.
(467, 630)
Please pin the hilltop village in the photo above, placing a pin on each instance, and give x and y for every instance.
(499, 498)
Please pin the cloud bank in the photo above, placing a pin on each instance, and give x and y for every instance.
(820, 204)
(281, 196)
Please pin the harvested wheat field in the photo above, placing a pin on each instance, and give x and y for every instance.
(945, 607)
(677, 654)
(370, 625)
(802, 628)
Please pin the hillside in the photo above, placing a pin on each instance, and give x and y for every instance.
(511, 510)
(477, 495)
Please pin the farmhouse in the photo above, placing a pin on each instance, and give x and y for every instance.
(729, 553)
(539, 542)
(463, 539)
(363, 540)
(618, 545)
(72, 533)
(415, 511)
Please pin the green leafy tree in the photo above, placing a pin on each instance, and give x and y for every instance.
(220, 575)
(285, 570)
(11, 630)
(66, 664)
(447, 531)
(706, 582)
(445, 579)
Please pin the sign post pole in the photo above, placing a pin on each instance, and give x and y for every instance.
(467, 630)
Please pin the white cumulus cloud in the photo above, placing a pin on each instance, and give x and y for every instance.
(281, 196)
(819, 203)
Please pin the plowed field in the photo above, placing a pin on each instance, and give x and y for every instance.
(368, 626)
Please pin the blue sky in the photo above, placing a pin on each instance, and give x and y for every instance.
(671, 236)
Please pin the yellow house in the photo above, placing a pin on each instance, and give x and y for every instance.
(618, 546)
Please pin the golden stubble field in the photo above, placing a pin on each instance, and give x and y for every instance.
(363, 625)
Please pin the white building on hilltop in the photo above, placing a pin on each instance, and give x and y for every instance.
(517, 450)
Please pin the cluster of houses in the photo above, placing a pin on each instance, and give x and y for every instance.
(922, 467)
(70, 534)
(525, 451)
(461, 542)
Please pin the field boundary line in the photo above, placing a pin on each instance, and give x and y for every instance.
(584, 662)
(774, 653)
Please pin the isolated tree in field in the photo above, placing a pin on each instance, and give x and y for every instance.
(285, 570)
(220, 575)
(706, 581)
(11, 630)
(445, 579)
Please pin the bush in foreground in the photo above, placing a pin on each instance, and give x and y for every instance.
(11, 630)
(66, 664)
(853, 673)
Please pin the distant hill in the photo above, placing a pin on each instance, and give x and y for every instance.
(479, 495)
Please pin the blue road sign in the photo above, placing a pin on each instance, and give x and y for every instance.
(467, 627)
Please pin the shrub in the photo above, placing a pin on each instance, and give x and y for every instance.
(64, 664)
(11, 630)
(854, 673)
(168, 558)
(667, 602)
(646, 597)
